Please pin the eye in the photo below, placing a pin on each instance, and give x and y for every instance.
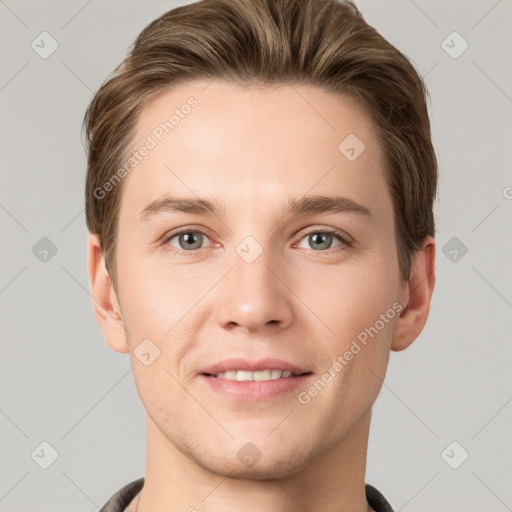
(187, 240)
(322, 240)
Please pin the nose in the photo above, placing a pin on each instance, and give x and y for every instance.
(255, 294)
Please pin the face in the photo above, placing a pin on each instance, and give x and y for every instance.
(252, 277)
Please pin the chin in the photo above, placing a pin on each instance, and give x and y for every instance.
(279, 467)
(258, 461)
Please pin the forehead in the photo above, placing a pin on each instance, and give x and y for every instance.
(243, 143)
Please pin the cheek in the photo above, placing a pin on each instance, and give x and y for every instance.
(156, 297)
(157, 381)
(349, 299)
(161, 310)
(358, 309)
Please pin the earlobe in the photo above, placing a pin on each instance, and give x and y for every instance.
(417, 295)
(105, 304)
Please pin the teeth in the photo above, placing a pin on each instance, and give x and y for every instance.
(261, 375)
(242, 375)
(276, 374)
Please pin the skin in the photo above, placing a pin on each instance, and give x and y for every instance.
(252, 148)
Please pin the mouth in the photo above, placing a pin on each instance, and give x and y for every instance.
(262, 385)
(245, 379)
(259, 376)
(241, 369)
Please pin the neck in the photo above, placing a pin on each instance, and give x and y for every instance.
(334, 480)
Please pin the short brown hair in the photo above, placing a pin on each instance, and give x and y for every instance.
(325, 43)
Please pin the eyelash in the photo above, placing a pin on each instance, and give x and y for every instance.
(340, 235)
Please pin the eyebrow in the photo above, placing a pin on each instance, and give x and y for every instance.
(303, 206)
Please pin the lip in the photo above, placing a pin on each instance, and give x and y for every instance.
(268, 363)
(255, 390)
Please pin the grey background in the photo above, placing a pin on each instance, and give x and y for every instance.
(61, 384)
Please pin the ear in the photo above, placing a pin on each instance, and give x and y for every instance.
(416, 297)
(104, 300)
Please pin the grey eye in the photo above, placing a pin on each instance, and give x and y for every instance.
(320, 240)
(189, 240)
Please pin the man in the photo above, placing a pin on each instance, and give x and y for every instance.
(259, 200)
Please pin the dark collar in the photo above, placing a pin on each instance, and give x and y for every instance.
(120, 500)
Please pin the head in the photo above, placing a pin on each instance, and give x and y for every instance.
(261, 107)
